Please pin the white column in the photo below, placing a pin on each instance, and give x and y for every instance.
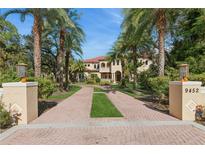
(114, 78)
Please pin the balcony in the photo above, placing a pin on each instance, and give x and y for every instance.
(104, 67)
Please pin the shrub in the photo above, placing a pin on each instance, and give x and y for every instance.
(46, 86)
(143, 79)
(8, 76)
(90, 81)
(159, 86)
(172, 73)
(105, 83)
(145, 75)
(198, 77)
(5, 118)
(192, 64)
(94, 77)
(97, 79)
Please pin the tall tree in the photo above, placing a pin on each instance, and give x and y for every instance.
(70, 37)
(37, 14)
(119, 52)
(147, 19)
(74, 39)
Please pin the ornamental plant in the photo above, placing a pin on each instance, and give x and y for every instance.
(5, 118)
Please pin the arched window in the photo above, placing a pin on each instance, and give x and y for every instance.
(118, 62)
(146, 62)
(103, 65)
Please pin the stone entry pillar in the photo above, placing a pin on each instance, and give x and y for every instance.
(183, 98)
(21, 98)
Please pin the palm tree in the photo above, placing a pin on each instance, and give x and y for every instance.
(70, 38)
(76, 67)
(37, 14)
(74, 40)
(146, 20)
(119, 52)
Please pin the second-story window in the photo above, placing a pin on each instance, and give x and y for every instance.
(95, 66)
(113, 62)
(146, 62)
(98, 66)
(88, 65)
(103, 65)
(118, 62)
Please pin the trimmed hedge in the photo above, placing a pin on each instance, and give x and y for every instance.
(46, 86)
(197, 77)
(105, 83)
(8, 76)
(90, 81)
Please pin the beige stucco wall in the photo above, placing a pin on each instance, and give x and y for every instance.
(145, 66)
(21, 98)
(115, 68)
(107, 67)
(90, 66)
(175, 100)
(87, 74)
(182, 104)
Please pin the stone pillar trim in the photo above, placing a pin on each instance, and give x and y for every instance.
(190, 83)
(20, 84)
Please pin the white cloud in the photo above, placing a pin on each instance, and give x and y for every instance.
(115, 14)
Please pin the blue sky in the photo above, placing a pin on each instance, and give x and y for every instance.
(101, 26)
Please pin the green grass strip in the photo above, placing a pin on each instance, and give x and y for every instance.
(103, 107)
(73, 89)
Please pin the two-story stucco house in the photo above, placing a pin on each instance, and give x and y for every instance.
(110, 71)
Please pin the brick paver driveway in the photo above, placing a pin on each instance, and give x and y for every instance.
(70, 123)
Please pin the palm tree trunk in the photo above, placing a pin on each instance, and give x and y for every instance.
(67, 58)
(135, 67)
(161, 24)
(37, 45)
(60, 59)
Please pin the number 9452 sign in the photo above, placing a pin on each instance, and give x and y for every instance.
(191, 90)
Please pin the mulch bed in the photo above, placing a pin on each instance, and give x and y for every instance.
(45, 105)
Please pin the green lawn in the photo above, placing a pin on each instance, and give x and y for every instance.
(73, 89)
(103, 107)
(138, 93)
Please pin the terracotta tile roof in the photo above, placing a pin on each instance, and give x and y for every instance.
(95, 60)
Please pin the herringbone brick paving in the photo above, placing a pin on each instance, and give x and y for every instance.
(76, 109)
